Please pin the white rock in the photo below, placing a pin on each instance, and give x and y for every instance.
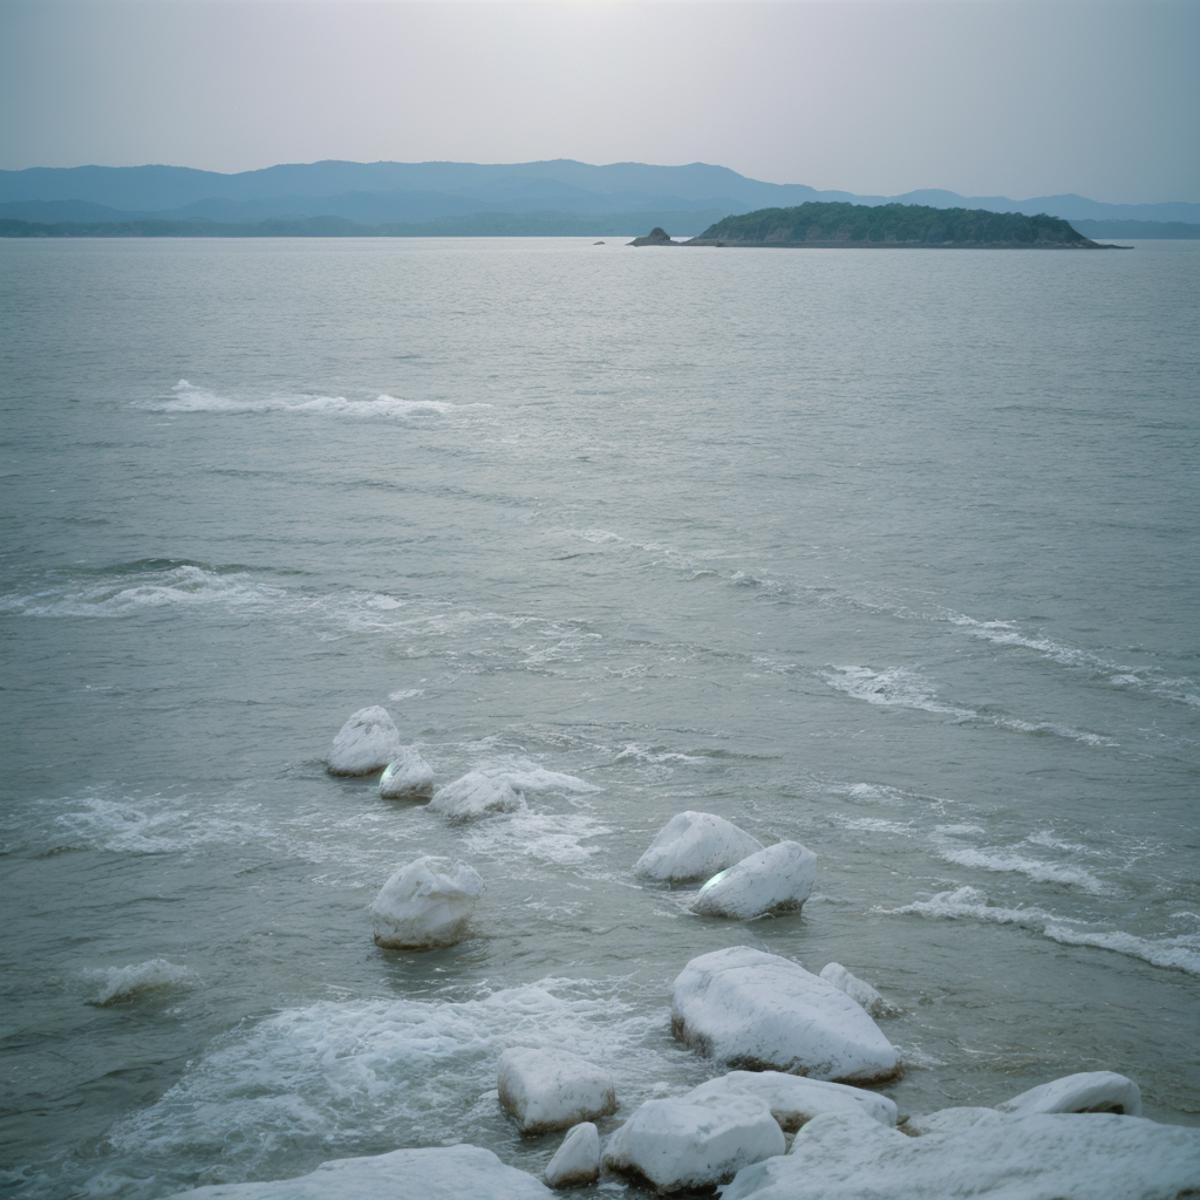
(407, 777)
(438, 1173)
(691, 1142)
(948, 1120)
(475, 795)
(426, 903)
(1087, 1092)
(694, 845)
(794, 1100)
(547, 1090)
(1063, 1156)
(748, 1008)
(777, 879)
(367, 742)
(858, 990)
(577, 1160)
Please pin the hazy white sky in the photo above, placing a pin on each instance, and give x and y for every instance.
(981, 96)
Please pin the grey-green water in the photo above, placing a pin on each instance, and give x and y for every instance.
(892, 554)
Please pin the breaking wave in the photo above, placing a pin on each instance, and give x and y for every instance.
(187, 398)
(121, 985)
(1180, 952)
(899, 687)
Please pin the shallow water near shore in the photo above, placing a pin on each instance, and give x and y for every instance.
(892, 555)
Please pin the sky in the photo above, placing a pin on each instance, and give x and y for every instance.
(984, 97)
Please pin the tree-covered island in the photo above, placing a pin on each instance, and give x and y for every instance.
(887, 225)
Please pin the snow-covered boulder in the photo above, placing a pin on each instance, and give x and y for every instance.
(794, 1100)
(407, 777)
(577, 1160)
(694, 845)
(752, 1009)
(1062, 1156)
(552, 1089)
(858, 990)
(436, 1173)
(1087, 1092)
(367, 742)
(475, 795)
(426, 903)
(777, 879)
(688, 1143)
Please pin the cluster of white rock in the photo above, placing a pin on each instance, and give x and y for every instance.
(806, 1039)
(744, 878)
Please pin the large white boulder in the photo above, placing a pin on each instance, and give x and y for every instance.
(752, 1009)
(859, 990)
(436, 1173)
(1087, 1092)
(577, 1160)
(407, 777)
(426, 903)
(777, 879)
(546, 1089)
(1002, 1156)
(694, 845)
(475, 795)
(794, 1100)
(688, 1143)
(367, 742)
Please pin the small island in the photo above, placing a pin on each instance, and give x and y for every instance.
(885, 226)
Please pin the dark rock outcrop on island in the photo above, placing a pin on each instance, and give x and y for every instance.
(656, 237)
(890, 225)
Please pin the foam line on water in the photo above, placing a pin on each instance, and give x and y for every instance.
(1179, 952)
(188, 398)
(1009, 634)
(901, 687)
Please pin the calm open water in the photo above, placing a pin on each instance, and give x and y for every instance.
(894, 554)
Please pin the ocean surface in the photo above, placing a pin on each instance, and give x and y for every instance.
(893, 554)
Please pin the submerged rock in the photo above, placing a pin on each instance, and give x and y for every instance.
(858, 990)
(435, 1173)
(694, 845)
(547, 1090)
(426, 903)
(999, 1156)
(1086, 1092)
(777, 879)
(475, 795)
(577, 1161)
(367, 742)
(758, 1010)
(794, 1100)
(407, 777)
(693, 1142)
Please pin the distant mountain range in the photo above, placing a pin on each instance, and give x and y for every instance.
(556, 197)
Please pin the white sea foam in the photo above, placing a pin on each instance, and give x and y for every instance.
(187, 398)
(146, 825)
(656, 755)
(899, 687)
(312, 1079)
(1181, 952)
(1009, 634)
(895, 687)
(1000, 860)
(562, 838)
(119, 985)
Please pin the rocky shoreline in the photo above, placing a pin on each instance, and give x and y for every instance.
(790, 1111)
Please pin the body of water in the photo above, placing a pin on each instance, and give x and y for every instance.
(892, 554)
